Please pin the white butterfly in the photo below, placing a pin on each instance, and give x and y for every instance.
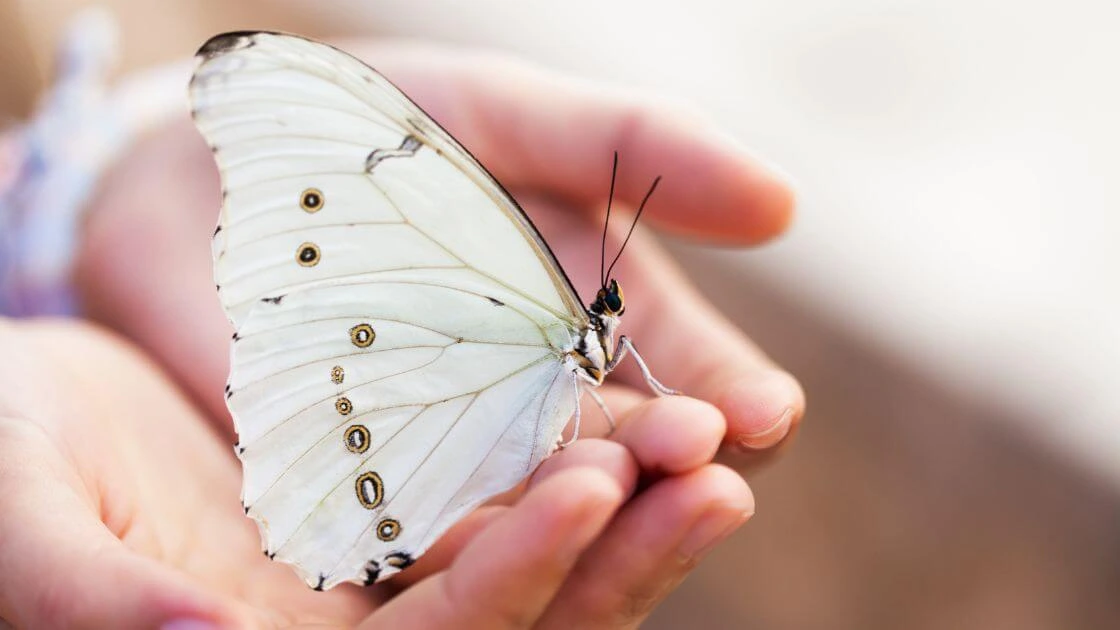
(407, 345)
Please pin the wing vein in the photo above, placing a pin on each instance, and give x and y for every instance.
(369, 382)
(389, 501)
(501, 436)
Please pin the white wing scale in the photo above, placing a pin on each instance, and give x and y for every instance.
(414, 361)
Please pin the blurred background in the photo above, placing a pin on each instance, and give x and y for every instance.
(948, 294)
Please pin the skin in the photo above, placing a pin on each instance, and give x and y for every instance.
(117, 478)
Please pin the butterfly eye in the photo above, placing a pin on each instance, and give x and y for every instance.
(388, 529)
(613, 302)
(311, 200)
(308, 255)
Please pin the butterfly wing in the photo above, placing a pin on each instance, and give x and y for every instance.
(402, 330)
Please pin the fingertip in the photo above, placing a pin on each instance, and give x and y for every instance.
(728, 505)
(714, 188)
(672, 434)
(772, 203)
(754, 197)
(727, 489)
(762, 409)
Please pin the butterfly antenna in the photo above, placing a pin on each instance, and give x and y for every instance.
(606, 223)
(633, 225)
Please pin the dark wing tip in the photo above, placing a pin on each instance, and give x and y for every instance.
(372, 573)
(226, 42)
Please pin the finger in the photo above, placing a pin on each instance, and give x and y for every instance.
(183, 328)
(714, 361)
(60, 567)
(686, 342)
(602, 455)
(540, 130)
(691, 347)
(649, 548)
(609, 457)
(509, 573)
(443, 553)
(664, 436)
(671, 435)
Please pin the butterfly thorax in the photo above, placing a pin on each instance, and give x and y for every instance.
(595, 349)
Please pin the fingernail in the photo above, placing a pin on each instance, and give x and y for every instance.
(188, 624)
(769, 436)
(711, 530)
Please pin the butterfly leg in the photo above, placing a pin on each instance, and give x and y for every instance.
(626, 346)
(575, 421)
(588, 385)
(602, 405)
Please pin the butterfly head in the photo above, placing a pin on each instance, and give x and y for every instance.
(596, 347)
(609, 301)
(605, 312)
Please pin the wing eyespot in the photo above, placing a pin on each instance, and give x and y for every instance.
(370, 490)
(357, 439)
(337, 374)
(308, 255)
(343, 406)
(311, 200)
(362, 335)
(388, 529)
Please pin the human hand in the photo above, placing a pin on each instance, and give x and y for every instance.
(120, 511)
(144, 271)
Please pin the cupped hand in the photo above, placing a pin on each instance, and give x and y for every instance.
(120, 511)
(145, 271)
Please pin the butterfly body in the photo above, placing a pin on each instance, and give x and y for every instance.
(406, 344)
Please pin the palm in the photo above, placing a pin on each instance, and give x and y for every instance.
(137, 457)
(198, 528)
